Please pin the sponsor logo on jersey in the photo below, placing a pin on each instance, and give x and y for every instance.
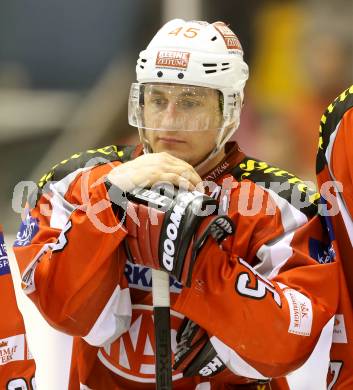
(4, 261)
(320, 251)
(301, 312)
(131, 356)
(172, 59)
(28, 229)
(339, 330)
(12, 349)
(140, 277)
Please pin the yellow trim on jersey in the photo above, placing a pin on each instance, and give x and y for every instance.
(253, 165)
(106, 151)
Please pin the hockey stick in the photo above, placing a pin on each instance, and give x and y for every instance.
(161, 311)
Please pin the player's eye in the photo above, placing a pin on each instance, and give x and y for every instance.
(188, 104)
(158, 101)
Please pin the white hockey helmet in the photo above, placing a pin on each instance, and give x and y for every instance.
(193, 53)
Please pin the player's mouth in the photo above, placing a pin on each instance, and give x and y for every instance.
(170, 140)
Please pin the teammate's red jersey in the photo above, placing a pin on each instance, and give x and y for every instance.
(335, 178)
(17, 367)
(262, 298)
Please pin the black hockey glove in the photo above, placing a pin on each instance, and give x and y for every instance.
(195, 354)
(167, 232)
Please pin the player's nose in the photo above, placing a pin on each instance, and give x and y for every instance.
(172, 108)
(170, 117)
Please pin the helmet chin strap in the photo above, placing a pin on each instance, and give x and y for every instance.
(146, 145)
(220, 142)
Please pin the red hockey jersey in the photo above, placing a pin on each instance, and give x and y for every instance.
(262, 298)
(17, 367)
(335, 179)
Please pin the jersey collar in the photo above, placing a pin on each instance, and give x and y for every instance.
(232, 158)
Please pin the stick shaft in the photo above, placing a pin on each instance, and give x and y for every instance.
(161, 310)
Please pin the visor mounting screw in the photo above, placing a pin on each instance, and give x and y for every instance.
(180, 75)
(160, 74)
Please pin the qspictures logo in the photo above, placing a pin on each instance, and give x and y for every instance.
(172, 59)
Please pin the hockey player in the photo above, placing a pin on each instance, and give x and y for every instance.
(17, 367)
(335, 178)
(248, 295)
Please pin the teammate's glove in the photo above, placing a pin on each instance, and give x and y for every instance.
(166, 232)
(195, 354)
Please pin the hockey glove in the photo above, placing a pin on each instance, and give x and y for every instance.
(195, 354)
(167, 232)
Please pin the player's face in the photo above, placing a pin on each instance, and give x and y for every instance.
(185, 120)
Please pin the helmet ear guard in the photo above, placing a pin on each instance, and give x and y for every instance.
(232, 103)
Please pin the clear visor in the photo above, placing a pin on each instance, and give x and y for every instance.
(176, 107)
